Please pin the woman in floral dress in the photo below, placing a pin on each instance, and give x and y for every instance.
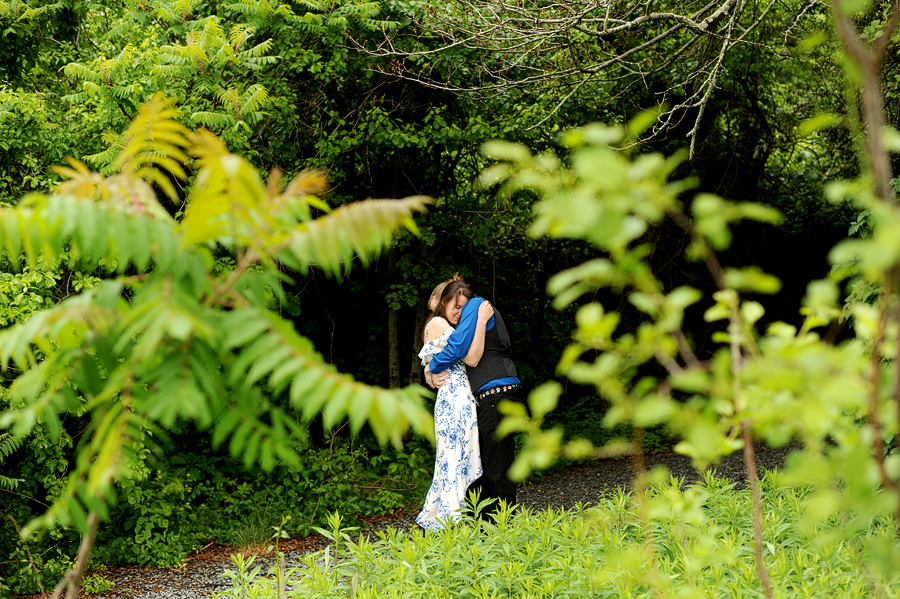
(458, 460)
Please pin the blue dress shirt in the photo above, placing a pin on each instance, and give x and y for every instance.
(459, 341)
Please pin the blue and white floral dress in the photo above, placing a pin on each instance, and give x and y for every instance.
(458, 460)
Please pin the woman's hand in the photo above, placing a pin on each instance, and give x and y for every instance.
(485, 311)
(439, 379)
(436, 381)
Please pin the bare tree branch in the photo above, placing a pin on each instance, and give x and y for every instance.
(485, 47)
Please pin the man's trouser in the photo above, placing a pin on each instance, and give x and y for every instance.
(497, 455)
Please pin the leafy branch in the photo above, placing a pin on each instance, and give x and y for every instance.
(167, 337)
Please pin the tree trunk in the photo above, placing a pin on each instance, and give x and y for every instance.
(393, 333)
(415, 371)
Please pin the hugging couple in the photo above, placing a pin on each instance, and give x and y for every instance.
(467, 358)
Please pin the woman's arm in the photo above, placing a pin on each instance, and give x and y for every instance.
(485, 311)
(434, 328)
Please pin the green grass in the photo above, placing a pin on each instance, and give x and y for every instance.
(669, 542)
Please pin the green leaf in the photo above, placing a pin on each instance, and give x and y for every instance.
(362, 230)
(890, 137)
(267, 363)
(360, 406)
(646, 303)
(711, 220)
(691, 380)
(717, 312)
(543, 399)
(303, 393)
(224, 426)
(820, 122)
(654, 410)
(242, 326)
(751, 278)
(504, 150)
(640, 123)
(758, 212)
(752, 312)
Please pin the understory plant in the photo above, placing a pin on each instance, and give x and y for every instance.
(781, 383)
(199, 498)
(169, 336)
(666, 540)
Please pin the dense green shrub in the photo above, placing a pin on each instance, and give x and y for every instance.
(167, 509)
(195, 498)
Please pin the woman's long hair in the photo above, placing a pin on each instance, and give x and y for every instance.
(452, 289)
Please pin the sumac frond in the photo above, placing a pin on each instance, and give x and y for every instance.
(80, 71)
(170, 338)
(213, 120)
(361, 229)
(270, 350)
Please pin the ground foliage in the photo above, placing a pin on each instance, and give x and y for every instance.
(671, 541)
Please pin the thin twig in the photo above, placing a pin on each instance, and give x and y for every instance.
(72, 578)
(750, 464)
(749, 457)
(37, 572)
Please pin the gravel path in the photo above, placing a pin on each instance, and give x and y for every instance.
(579, 483)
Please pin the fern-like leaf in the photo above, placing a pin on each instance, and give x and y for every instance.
(56, 225)
(80, 71)
(270, 350)
(254, 99)
(260, 8)
(226, 197)
(98, 463)
(258, 50)
(362, 229)
(213, 120)
(63, 327)
(171, 70)
(229, 97)
(316, 5)
(239, 34)
(103, 160)
(34, 12)
(8, 445)
(155, 138)
(366, 9)
(379, 25)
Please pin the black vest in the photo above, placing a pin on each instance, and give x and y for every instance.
(495, 362)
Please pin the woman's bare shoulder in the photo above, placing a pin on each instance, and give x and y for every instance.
(436, 327)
